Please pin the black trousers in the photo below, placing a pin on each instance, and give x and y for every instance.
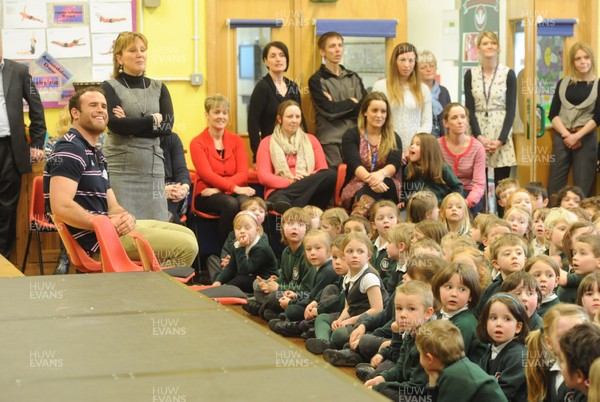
(10, 188)
(583, 161)
(316, 189)
(224, 205)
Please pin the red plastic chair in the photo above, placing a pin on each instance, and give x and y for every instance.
(78, 257)
(150, 262)
(341, 177)
(114, 257)
(38, 221)
(222, 300)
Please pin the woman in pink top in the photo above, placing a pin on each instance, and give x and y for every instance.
(464, 154)
(292, 166)
(221, 164)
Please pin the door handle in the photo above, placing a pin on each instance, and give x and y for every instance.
(542, 131)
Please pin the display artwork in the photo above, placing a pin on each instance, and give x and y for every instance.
(549, 68)
(64, 41)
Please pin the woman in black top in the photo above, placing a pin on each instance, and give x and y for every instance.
(575, 114)
(273, 89)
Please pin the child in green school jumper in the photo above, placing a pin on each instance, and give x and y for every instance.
(295, 274)
(414, 306)
(456, 287)
(317, 248)
(384, 216)
(586, 259)
(452, 376)
(523, 286)
(251, 257)
(329, 300)
(546, 273)
(504, 324)
(508, 254)
(364, 294)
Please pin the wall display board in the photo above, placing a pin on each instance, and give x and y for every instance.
(64, 41)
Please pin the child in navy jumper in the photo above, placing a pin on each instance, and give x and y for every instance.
(504, 324)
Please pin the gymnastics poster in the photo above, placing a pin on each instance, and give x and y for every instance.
(24, 44)
(64, 41)
(29, 14)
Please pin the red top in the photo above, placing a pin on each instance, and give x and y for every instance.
(266, 173)
(469, 167)
(212, 171)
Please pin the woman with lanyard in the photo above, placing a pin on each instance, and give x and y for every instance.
(575, 114)
(491, 96)
(373, 153)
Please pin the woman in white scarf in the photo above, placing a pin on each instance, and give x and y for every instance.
(292, 166)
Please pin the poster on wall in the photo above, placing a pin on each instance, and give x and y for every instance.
(549, 68)
(64, 41)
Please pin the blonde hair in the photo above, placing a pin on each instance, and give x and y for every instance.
(394, 88)
(335, 217)
(313, 211)
(360, 237)
(519, 190)
(418, 288)
(559, 214)
(319, 234)
(401, 233)
(63, 125)
(442, 339)
(125, 39)
(481, 261)
(505, 184)
(419, 205)
(539, 356)
(214, 101)
(464, 226)
(594, 377)
(378, 205)
(490, 35)
(453, 240)
(525, 212)
(247, 216)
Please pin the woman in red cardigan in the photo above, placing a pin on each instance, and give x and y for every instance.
(292, 166)
(221, 164)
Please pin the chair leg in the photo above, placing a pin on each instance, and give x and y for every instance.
(26, 251)
(39, 247)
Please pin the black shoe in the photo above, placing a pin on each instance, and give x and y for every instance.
(63, 264)
(364, 371)
(342, 358)
(252, 307)
(318, 346)
(308, 334)
(268, 315)
(273, 324)
(279, 206)
(286, 328)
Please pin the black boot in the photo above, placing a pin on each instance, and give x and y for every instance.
(63, 264)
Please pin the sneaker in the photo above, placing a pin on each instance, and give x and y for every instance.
(342, 358)
(317, 346)
(286, 328)
(252, 307)
(364, 371)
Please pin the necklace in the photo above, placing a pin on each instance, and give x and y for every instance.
(143, 112)
(487, 94)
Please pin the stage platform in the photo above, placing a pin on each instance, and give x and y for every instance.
(146, 337)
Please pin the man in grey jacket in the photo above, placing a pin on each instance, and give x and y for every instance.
(337, 94)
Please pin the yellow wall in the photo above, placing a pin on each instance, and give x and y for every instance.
(170, 31)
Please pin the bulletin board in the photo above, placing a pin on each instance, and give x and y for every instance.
(64, 41)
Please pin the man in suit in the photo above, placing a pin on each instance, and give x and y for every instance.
(16, 154)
